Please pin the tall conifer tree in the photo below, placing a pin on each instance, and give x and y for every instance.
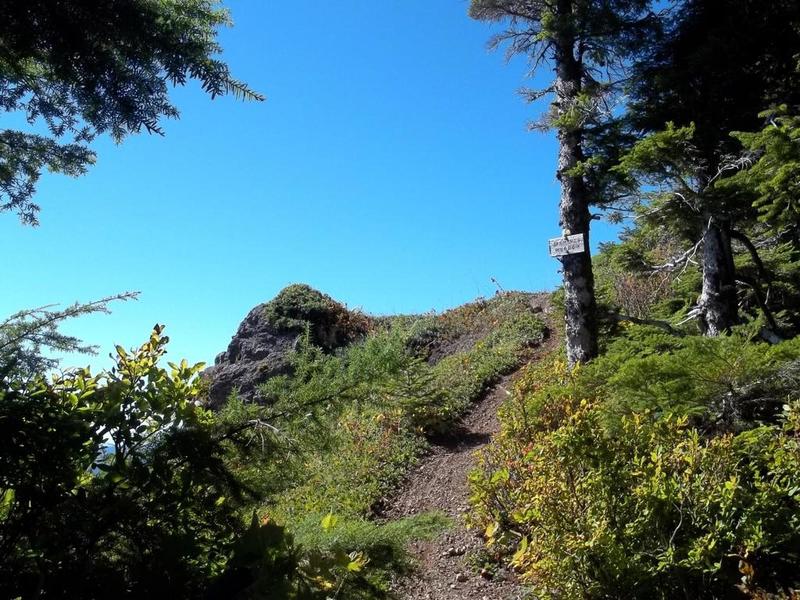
(84, 68)
(587, 43)
(719, 64)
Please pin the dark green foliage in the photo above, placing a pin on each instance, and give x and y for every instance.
(720, 63)
(113, 485)
(655, 270)
(715, 69)
(121, 485)
(771, 181)
(263, 566)
(649, 372)
(87, 68)
(299, 307)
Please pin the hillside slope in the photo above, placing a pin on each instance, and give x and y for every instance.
(352, 403)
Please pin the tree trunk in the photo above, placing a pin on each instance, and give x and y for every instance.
(574, 217)
(718, 302)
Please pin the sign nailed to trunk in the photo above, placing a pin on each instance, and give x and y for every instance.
(568, 244)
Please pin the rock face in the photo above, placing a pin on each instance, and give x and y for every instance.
(269, 334)
(258, 351)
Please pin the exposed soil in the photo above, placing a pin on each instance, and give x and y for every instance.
(439, 483)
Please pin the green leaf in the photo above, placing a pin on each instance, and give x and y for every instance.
(6, 500)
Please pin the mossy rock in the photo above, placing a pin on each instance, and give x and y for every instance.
(299, 307)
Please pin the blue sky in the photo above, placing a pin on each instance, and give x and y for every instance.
(389, 167)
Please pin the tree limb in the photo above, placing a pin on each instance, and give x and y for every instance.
(762, 271)
(753, 284)
(653, 322)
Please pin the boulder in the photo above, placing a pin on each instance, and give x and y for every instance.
(262, 346)
(257, 352)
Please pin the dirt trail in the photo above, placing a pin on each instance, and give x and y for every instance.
(439, 483)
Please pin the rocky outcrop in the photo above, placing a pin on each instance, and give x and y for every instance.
(258, 351)
(270, 332)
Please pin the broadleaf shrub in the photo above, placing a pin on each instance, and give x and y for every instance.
(627, 478)
(113, 484)
(121, 485)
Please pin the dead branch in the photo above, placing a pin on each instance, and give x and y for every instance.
(679, 262)
(762, 271)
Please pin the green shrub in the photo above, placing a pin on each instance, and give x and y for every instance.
(710, 378)
(115, 485)
(365, 458)
(465, 376)
(297, 305)
(655, 510)
(661, 470)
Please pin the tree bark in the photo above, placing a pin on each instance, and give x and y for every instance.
(574, 217)
(718, 302)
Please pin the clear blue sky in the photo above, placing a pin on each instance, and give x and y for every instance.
(389, 167)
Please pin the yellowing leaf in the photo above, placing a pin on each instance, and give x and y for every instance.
(519, 555)
(490, 532)
(357, 561)
(329, 521)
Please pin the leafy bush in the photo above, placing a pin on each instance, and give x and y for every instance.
(121, 485)
(267, 564)
(655, 510)
(663, 469)
(112, 484)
